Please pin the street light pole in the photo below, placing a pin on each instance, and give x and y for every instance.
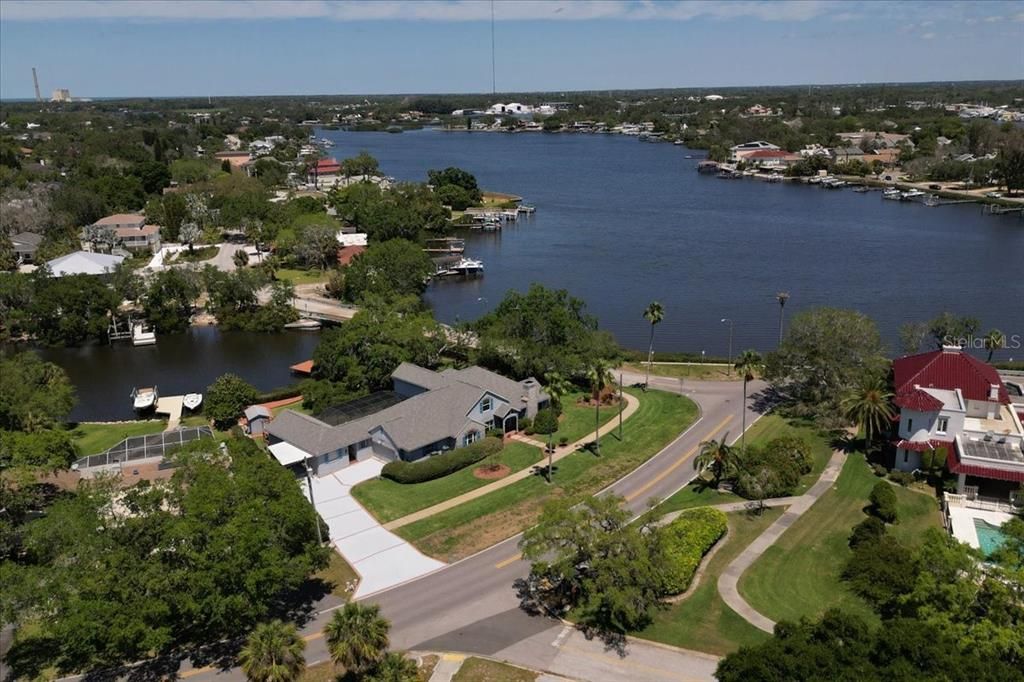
(621, 406)
(724, 320)
(316, 516)
(781, 297)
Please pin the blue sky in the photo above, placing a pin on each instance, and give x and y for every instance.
(207, 47)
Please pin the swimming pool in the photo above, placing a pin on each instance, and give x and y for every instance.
(989, 537)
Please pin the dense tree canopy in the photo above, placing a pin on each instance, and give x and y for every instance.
(386, 271)
(168, 300)
(541, 331)
(33, 394)
(226, 399)
(187, 562)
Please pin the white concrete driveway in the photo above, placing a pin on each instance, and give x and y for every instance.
(381, 558)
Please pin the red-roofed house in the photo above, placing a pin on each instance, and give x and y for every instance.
(951, 401)
(325, 173)
(770, 158)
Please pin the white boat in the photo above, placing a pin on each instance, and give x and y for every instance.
(912, 194)
(678, 143)
(304, 325)
(775, 177)
(861, 189)
(142, 336)
(144, 398)
(192, 400)
(892, 193)
(467, 266)
(523, 208)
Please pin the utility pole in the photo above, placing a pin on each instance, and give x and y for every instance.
(781, 297)
(316, 516)
(725, 320)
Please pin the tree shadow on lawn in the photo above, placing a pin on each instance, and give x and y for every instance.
(534, 606)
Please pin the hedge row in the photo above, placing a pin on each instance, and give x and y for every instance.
(687, 540)
(446, 463)
(280, 393)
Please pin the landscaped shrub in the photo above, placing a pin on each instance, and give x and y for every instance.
(883, 502)
(545, 422)
(526, 425)
(563, 441)
(868, 530)
(768, 472)
(879, 470)
(443, 464)
(904, 478)
(795, 449)
(687, 540)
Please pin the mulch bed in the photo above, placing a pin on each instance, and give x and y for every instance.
(492, 472)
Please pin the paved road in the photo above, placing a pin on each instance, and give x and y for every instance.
(471, 606)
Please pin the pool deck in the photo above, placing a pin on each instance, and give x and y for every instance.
(961, 520)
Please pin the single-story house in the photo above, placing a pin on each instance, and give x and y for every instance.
(25, 246)
(771, 158)
(256, 419)
(84, 263)
(437, 411)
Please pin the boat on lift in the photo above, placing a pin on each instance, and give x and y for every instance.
(144, 399)
(468, 266)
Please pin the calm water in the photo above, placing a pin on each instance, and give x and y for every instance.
(184, 363)
(620, 223)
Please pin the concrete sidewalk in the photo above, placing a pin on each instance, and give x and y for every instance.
(728, 582)
(632, 404)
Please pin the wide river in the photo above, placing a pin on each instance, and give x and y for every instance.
(620, 223)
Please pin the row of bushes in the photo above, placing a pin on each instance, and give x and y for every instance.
(688, 539)
(441, 465)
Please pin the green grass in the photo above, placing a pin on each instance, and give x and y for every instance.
(800, 574)
(697, 371)
(462, 530)
(338, 575)
(93, 439)
(703, 621)
(767, 428)
(483, 670)
(200, 253)
(577, 420)
(298, 277)
(388, 500)
(200, 420)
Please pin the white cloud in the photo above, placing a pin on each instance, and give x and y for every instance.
(927, 36)
(422, 10)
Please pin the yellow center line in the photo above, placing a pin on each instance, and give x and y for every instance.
(508, 561)
(315, 635)
(654, 481)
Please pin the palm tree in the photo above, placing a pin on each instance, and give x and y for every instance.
(869, 406)
(273, 653)
(717, 456)
(993, 340)
(600, 378)
(557, 387)
(394, 667)
(357, 637)
(654, 314)
(748, 364)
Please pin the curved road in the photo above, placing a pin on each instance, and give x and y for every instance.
(471, 605)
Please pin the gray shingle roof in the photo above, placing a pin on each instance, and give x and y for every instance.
(312, 435)
(418, 376)
(27, 239)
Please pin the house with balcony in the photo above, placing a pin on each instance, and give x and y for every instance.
(132, 231)
(957, 406)
(426, 413)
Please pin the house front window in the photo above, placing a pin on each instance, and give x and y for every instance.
(470, 438)
(943, 425)
(486, 404)
(910, 425)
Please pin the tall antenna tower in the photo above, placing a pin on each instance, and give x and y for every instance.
(494, 82)
(35, 80)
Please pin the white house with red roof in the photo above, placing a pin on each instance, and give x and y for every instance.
(325, 173)
(950, 401)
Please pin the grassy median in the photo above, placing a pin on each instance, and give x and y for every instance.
(475, 525)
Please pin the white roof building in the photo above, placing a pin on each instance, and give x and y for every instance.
(352, 238)
(84, 263)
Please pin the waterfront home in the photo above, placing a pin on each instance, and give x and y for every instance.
(950, 402)
(84, 263)
(771, 158)
(132, 231)
(875, 139)
(25, 246)
(352, 244)
(741, 151)
(427, 413)
(325, 173)
(845, 154)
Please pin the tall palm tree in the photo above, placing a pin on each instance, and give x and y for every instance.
(993, 340)
(717, 456)
(869, 405)
(654, 314)
(600, 377)
(273, 653)
(557, 387)
(394, 667)
(357, 637)
(748, 364)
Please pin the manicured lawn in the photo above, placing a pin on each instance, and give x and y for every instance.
(200, 420)
(339, 575)
(800, 574)
(388, 500)
(198, 254)
(697, 372)
(577, 420)
(462, 530)
(93, 439)
(297, 407)
(767, 428)
(297, 277)
(703, 621)
(483, 670)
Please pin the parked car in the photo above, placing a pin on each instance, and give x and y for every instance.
(934, 186)
(994, 195)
